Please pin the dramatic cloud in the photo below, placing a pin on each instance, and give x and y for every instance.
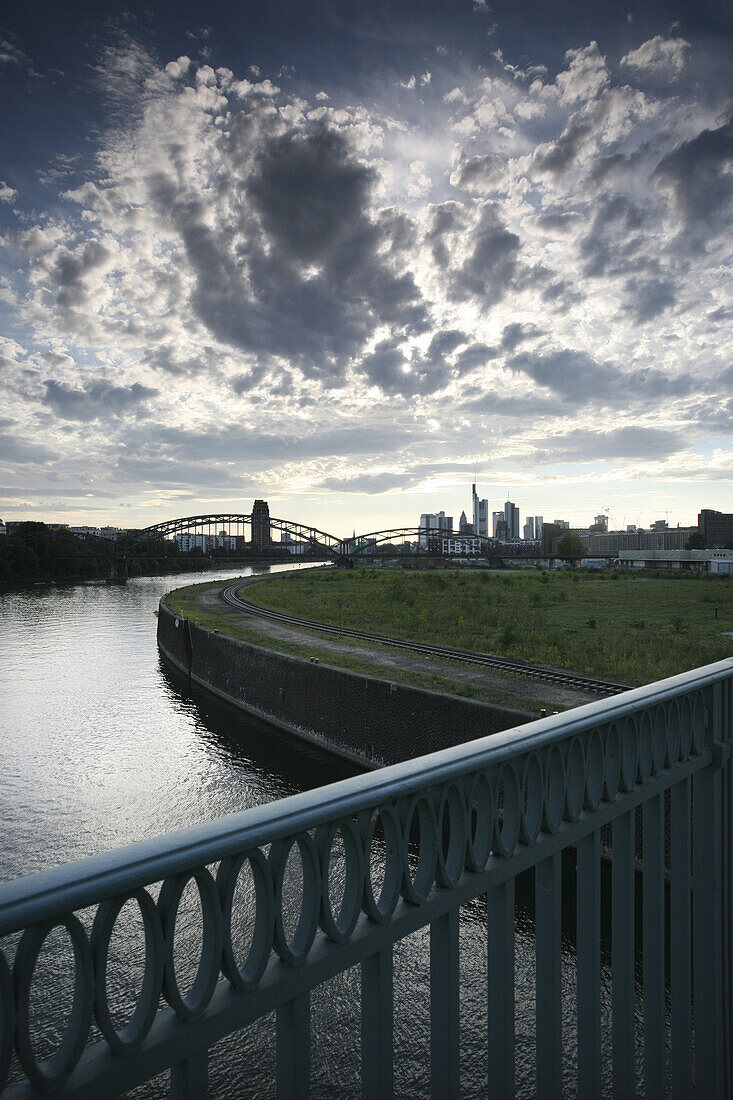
(310, 281)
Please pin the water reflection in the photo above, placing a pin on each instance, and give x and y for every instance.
(101, 745)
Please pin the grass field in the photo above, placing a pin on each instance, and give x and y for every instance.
(628, 627)
(186, 602)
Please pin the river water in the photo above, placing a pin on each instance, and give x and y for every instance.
(100, 748)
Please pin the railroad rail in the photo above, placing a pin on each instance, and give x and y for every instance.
(462, 656)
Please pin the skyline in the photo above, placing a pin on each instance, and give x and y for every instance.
(383, 250)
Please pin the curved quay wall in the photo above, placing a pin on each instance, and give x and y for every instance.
(362, 718)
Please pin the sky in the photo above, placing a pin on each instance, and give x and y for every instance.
(353, 257)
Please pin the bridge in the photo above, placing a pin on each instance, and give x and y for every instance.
(379, 856)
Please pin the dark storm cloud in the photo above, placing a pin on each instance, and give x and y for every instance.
(478, 174)
(491, 265)
(475, 356)
(310, 194)
(556, 157)
(388, 367)
(307, 278)
(629, 443)
(580, 380)
(515, 334)
(98, 400)
(700, 175)
(613, 236)
(647, 298)
(70, 270)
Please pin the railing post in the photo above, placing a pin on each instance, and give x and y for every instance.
(680, 939)
(548, 925)
(500, 916)
(189, 1078)
(293, 1048)
(445, 1073)
(655, 1083)
(623, 882)
(707, 926)
(377, 1010)
(589, 965)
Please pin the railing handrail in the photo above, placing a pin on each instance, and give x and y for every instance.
(45, 894)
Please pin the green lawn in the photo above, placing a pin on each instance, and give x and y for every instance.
(628, 627)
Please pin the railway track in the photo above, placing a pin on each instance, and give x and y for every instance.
(462, 656)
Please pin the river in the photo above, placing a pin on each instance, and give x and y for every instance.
(100, 748)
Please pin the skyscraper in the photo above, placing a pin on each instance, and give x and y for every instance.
(511, 516)
(260, 525)
(480, 514)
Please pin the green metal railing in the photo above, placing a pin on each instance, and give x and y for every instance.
(415, 842)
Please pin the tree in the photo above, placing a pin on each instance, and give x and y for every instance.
(571, 547)
(696, 541)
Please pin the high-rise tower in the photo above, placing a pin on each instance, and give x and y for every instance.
(260, 525)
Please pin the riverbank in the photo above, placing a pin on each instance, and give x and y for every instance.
(369, 719)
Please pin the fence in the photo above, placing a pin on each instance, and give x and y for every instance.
(381, 855)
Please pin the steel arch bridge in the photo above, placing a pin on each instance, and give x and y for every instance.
(234, 523)
(379, 542)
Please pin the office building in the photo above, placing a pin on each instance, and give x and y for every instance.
(511, 518)
(464, 527)
(260, 525)
(437, 522)
(480, 514)
(715, 527)
(528, 530)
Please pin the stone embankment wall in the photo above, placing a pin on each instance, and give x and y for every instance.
(359, 717)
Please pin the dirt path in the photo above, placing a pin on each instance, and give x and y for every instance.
(533, 691)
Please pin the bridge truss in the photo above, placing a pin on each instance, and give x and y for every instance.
(398, 539)
(234, 524)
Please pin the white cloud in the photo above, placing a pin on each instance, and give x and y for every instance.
(658, 55)
(7, 194)
(179, 68)
(366, 278)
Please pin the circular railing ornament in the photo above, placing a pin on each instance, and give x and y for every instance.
(53, 1071)
(381, 908)
(481, 811)
(416, 888)
(575, 772)
(555, 785)
(452, 835)
(295, 950)
(338, 928)
(533, 799)
(244, 978)
(594, 771)
(134, 1032)
(508, 810)
(207, 974)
